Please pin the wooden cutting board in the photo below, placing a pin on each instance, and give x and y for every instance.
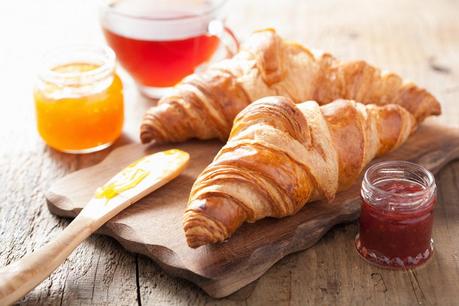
(153, 226)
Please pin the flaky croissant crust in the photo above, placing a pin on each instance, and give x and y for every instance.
(281, 155)
(204, 104)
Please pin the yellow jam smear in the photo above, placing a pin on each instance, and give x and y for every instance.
(133, 174)
(130, 178)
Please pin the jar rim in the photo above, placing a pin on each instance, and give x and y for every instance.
(103, 55)
(428, 185)
(107, 5)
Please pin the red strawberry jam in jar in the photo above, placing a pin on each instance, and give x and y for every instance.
(398, 199)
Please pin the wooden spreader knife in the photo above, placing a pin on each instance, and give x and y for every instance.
(125, 188)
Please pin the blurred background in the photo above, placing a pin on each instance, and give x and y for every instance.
(407, 37)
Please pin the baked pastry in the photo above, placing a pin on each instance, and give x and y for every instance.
(205, 104)
(281, 155)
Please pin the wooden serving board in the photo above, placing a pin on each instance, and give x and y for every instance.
(153, 226)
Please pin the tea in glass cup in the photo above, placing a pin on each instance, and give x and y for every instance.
(160, 42)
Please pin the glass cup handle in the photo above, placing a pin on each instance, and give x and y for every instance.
(226, 36)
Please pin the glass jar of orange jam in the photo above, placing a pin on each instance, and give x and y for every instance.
(79, 99)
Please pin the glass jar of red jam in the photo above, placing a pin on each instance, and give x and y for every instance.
(396, 217)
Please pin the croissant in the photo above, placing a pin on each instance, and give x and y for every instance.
(205, 104)
(281, 155)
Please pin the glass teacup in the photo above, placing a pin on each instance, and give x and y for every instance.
(159, 42)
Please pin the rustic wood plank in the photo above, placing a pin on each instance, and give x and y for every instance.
(26, 224)
(438, 282)
(417, 39)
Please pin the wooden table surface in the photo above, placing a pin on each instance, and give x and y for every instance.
(418, 39)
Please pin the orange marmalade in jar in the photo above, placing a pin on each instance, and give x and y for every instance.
(79, 99)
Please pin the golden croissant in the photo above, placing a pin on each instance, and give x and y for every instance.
(205, 104)
(281, 155)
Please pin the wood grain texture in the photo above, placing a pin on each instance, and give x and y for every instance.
(416, 39)
(153, 226)
(20, 277)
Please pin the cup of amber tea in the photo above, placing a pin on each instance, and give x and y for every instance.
(159, 42)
